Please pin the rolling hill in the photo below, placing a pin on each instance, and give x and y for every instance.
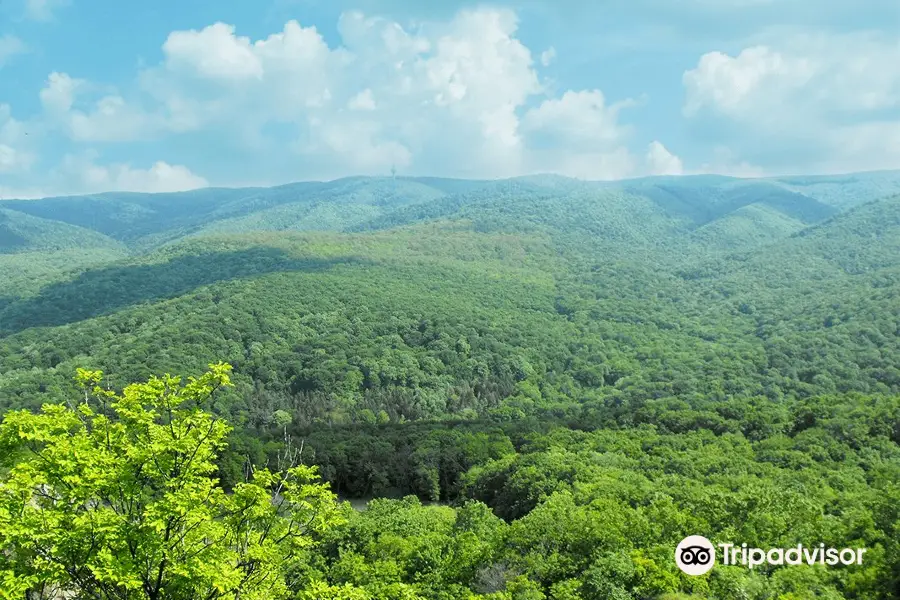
(146, 220)
(844, 191)
(683, 262)
(663, 206)
(704, 199)
(21, 232)
(35, 251)
(530, 269)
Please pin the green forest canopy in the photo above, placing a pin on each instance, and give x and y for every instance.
(580, 374)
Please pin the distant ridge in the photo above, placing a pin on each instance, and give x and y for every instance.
(732, 212)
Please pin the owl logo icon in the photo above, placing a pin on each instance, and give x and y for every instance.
(695, 555)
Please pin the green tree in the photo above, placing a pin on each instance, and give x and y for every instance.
(282, 419)
(116, 498)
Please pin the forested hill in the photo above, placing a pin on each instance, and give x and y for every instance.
(583, 372)
(360, 203)
(20, 232)
(574, 290)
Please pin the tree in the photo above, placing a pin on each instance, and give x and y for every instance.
(117, 498)
(282, 419)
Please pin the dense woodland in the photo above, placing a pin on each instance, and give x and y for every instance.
(541, 385)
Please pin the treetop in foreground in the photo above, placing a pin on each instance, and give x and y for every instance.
(116, 497)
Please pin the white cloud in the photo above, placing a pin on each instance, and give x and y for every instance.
(58, 94)
(109, 119)
(376, 48)
(479, 64)
(214, 53)
(10, 46)
(662, 162)
(874, 145)
(82, 173)
(477, 77)
(851, 72)
(161, 177)
(818, 99)
(451, 96)
(547, 56)
(580, 135)
(11, 159)
(459, 98)
(578, 119)
(742, 85)
(215, 79)
(43, 10)
(11, 130)
(359, 143)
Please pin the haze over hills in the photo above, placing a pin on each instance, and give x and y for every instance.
(782, 205)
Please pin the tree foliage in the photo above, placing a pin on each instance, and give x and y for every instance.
(116, 497)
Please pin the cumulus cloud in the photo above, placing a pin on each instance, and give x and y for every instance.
(662, 162)
(817, 99)
(11, 159)
(460, 97)
(213, 76)
(110, 118)
(449, 96)
(578, 119)
(741, 86)
(580, 135)
(58, 94)
(84, 174)
(215, 53)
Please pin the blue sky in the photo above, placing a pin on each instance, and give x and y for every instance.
(97, 95)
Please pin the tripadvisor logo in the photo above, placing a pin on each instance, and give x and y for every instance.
(695, 555)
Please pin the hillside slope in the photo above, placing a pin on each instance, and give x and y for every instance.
(826, 301)
(336, 207)
(676, 206)
(455, 305)
(20, 232)
(844, 191)
(703, 199)
(145, 220)
(750, 226)
(670, 217)
(36, 251)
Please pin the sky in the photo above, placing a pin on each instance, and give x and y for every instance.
(169, 95)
